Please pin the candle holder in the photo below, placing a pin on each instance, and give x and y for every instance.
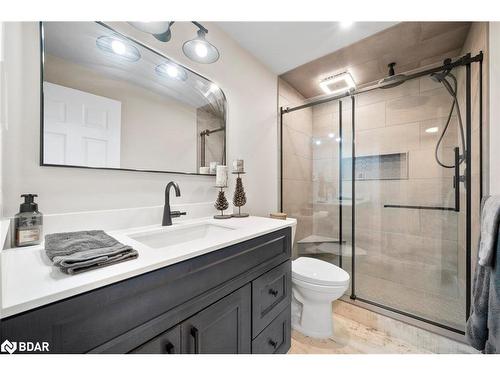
(239, 198)
(221, 204)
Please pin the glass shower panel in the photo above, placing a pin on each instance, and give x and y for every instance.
(297, 184)
(410, 242)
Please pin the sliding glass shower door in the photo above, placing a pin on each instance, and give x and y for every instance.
(382, 186)
(410, 234)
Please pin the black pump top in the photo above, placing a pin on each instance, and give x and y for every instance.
(29, 204)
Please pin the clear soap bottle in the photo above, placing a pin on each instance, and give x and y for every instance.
(28, 222)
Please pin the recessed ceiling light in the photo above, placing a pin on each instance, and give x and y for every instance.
(317, 142)
(337, 83)
(434, 129)
(346, 24)
(331, 135)
(171, 70)
(118, 48)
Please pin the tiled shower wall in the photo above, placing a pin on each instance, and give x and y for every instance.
(297, 162)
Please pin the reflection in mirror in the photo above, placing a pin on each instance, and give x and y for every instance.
(110, 102)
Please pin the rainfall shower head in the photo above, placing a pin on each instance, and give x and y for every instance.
(392, 80)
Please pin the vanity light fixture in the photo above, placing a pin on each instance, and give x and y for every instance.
(118, 47)
(338, 83)
(197, 49)
(160, 30)
(433, 129)
(171, 70)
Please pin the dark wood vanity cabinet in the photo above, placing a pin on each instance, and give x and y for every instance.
(233, 300)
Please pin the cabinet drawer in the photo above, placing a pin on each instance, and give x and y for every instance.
(275, 338)
(168, 342)
(271, 293)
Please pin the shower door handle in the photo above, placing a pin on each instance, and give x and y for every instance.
(456, 179)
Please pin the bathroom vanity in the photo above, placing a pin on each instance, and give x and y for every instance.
(231, 299)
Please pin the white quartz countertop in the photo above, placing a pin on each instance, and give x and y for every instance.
(28, 279)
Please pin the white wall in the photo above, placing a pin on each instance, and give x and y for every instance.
(251, 91)
(494, 65)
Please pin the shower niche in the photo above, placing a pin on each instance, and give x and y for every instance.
(377, 167)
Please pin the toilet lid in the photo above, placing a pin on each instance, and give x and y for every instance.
(318, 272)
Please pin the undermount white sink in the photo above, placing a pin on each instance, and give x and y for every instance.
(169, 236)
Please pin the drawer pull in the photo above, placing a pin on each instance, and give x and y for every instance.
(273, 291)
(273, 343)
(196, 336)
(169, 348)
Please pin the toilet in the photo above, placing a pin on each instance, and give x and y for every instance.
(315, 285)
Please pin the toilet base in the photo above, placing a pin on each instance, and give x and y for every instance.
(312, 319)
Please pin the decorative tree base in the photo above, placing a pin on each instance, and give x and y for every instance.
(240, 214)
(222, 216)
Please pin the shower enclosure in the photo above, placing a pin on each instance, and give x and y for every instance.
(381, 192)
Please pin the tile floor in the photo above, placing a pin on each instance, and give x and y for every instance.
(372, 333)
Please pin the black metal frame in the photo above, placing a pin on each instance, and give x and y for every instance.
(466, 61)
(340, 183)
(42, 59)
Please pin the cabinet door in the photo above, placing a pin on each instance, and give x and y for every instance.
(222, 328)
(168, 342)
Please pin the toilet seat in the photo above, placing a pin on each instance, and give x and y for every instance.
(318, 272)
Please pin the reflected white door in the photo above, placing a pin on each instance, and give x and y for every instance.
(80, 128)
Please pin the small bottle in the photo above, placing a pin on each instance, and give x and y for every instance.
(28, 222)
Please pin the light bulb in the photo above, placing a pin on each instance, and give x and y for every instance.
(346, 24)
(318, 142)
(172, 71)
(331, 135)
(434, 129)
(118, 47)
(201, 50)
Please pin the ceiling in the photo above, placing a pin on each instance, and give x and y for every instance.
(282, 46)
(410, 44)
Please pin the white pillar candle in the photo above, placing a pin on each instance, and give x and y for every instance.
(213, 166)
(204, 170)
(221, 176)
(238, 166)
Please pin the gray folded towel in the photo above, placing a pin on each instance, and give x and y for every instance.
(75, 252)
(490, 220)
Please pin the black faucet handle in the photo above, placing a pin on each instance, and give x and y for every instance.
(177, 213)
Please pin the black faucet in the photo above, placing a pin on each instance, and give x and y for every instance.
(167, 214)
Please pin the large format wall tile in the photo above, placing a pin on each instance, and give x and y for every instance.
(428, 105)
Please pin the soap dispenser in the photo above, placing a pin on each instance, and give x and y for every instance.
(28, 222)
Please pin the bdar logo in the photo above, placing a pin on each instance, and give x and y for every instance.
(8, 346)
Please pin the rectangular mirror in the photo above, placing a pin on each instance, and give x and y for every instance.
(111, 102)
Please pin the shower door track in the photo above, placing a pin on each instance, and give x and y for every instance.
(466, 61)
